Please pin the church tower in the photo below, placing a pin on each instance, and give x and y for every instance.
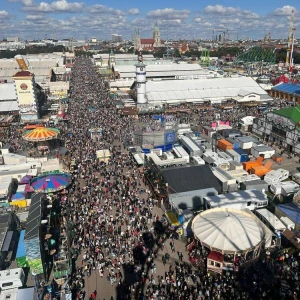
(137, 41)
(111, 59)
(156, 36)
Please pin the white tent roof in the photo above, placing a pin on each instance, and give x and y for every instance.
(208, 89)
(227, 229)
(8, 92)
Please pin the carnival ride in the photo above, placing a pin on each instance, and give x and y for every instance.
(256, 55)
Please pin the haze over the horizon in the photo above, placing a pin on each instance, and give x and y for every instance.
(33, 19)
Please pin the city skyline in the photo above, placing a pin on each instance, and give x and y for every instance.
(32, 19)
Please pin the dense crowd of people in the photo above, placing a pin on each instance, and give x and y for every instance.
(117, 231)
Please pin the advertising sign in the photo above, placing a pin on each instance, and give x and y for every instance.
(170, 137)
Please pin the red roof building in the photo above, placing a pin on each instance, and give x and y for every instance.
(23, 74)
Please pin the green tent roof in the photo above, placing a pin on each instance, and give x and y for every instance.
(293, 113)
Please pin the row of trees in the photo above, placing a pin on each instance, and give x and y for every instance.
(160, 53)
(31, 50)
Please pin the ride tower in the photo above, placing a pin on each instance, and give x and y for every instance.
(141, 80)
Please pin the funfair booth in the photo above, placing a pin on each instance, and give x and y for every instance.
(233, 237)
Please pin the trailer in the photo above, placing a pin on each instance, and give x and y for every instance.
(234, 165)
(181, 153)
(237, 173)
(235, 143)
(206, 146)
(265, 151)
(276, 176)
(225, 156)
(270, 220)
(214, 160)
(227, 181)
(234, 156)
(210, 153)
(198, 140)
(231, 133)
(245, 142)
(224, 145)
(250, 199)
(258, 184)
(190, 146)
(12, 279)
(197, 160)
(284, 188)
(208, 131)
(288, 223)
(246, 177)
(296, 177)
(183, 129)
(243, 155)
(162, 163)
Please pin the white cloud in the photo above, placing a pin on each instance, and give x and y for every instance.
(169, 13)
(220, 9)
(3, 14)
(133, 11)
(35, 17)
(56, 7)
(100, 20)
(28, 2)
(101, 9)
(284, 11)
(24, 2)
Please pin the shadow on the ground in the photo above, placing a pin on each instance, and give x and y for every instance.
(141, 253)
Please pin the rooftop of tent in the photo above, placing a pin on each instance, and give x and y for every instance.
(292, 113)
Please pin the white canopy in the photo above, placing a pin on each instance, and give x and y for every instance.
(227, 229)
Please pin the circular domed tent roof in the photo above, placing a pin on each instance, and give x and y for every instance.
(225, 229)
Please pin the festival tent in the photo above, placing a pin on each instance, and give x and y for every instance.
(225, 229)
(51, 182)
(40, 134)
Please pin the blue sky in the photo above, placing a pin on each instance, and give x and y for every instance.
(176, 19)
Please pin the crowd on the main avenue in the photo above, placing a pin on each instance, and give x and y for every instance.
(118, 231)
(116, 224)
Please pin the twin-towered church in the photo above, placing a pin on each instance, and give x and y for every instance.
(148, 44)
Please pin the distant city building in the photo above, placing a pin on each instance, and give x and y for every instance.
(116, 38)
(94, 40)
(13, 39)
(11, 46)
(148, 44)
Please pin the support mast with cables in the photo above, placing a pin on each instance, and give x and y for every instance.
(290, 40)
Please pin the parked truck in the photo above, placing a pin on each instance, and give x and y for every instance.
(276, 176)
(235, 143)
(227, 181)
(243, 155)
(234, 165)
(284, 188)
(261, 170)
(234, 155)
(249, 164)
(224, 145)
(265, 151)
(225, 156)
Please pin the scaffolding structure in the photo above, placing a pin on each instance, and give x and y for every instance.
(256, 55)
(205, 58)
